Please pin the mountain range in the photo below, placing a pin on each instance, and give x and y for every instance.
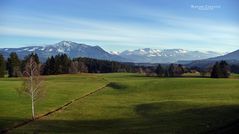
(146, 55)
(165, 55)
(231, 58)
(72, 49)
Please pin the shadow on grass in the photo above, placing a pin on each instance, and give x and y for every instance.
(116, 85)
(190, 118)
(163, 117)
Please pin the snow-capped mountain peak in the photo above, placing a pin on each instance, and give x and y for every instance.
(65, 43)
(70, 48)
(165, 55)
(141, 55)
(114, 52)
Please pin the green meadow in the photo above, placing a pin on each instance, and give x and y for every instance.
(131, 104)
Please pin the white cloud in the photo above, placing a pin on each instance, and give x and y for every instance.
(181, 32)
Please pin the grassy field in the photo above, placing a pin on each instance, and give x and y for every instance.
(131, 104)
(15, 107)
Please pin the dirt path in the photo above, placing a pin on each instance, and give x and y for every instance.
(51, 112)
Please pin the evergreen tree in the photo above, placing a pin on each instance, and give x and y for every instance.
(2, 66)
(225, 69)
(216, 71)
(62, 64)
(46, 69)
(220, 70)
(179, 70)
(49, 66)
(59, 64)
(159, 70)
(27, 58)
(65, 63)
(13, 65)
(171, 70)
(52, 66)
(174, 71)
(166, 73)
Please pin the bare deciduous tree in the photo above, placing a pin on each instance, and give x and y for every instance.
(32, 84)
(74, 67)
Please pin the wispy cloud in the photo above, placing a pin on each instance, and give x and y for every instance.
(163, 30)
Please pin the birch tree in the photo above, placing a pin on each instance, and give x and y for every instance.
(32, 84)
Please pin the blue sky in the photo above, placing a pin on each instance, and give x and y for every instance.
(122, 24)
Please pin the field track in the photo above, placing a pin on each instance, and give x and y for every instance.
(53, 111)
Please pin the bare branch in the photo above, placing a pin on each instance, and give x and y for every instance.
(32, 83)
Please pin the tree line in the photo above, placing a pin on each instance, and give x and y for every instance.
(62, 64)
(172, 70)
(219, 70)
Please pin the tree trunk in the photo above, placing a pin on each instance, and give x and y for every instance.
(32, 93)
(33, 109)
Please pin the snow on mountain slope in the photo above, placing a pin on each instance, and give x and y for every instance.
(72, 49)
(146, 55)
(165, 55)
